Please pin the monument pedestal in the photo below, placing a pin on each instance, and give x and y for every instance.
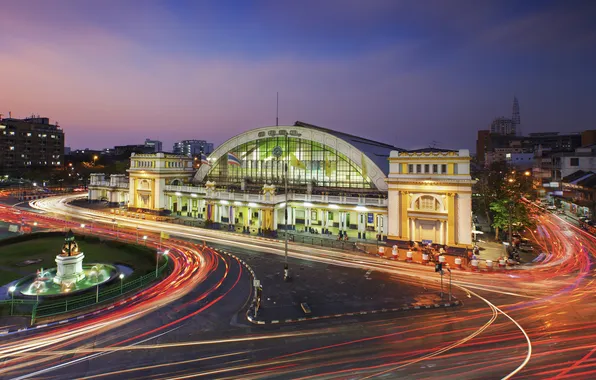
(70, 268)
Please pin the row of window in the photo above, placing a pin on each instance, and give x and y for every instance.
(174, 164)
(428, 168)
(29, 134)
(29, 163)
(143, 164)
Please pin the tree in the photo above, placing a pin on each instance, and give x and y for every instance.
(514, 211)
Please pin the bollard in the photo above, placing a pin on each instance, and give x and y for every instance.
(442, 259)
(458, 262)
(425, 258)
(475, 265)
(409, 256)
(394, 252)
(502, 263)
(382, 251)
(489, 265)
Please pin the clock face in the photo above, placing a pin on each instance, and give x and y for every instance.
(277, 151)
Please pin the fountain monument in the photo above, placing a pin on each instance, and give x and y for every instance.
(69, 262)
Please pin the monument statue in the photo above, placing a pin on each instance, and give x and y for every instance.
(69, 262)
(70, 246)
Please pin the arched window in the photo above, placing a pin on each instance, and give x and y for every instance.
(307, 161)
(426, 203)
(144, 185)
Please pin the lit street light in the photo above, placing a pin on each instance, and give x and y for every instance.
(11, 290)
(121, 278)
(145, 239)
(165, 253)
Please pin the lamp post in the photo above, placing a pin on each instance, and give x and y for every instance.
(11, 290)
(97, 288)
(121, 278)
(145, 239)
(95, 159)
(277, 152)
(165, 253)
(449, 284)
(137, 234)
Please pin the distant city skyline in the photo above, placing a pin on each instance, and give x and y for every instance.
(407, 73)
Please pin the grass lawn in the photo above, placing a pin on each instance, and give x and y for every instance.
(141, 259)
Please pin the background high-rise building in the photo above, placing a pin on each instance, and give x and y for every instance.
(502, 126)
(192, 147)
(156, 144)
(30, 143)
(505, 126)
(515, 117)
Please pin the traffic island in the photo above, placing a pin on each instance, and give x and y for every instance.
(321, 291)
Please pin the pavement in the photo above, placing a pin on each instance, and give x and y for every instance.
(330, 290)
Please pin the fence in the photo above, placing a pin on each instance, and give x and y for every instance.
(47, 307)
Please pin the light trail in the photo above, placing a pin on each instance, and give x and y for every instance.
(546, 292)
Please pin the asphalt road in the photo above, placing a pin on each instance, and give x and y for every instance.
(532, 322)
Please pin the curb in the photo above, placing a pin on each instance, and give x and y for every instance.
(356, 313)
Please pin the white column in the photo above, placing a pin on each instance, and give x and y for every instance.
(307, 221)
(361, 222)
(442, 232)
(325, 218)
(412, 230)
(393, 213)
(131, 192)
(260, 221)
(463, 220)
(384, 225)
(275, 212)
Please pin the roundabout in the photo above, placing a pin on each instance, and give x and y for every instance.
(70, 275)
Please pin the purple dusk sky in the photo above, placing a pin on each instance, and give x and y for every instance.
(403, 72)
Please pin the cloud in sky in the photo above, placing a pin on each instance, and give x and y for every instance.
(404, 72)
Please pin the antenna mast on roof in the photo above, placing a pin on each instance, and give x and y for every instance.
(433, 144)
(277, 110)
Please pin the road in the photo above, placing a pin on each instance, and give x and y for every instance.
(532, 322)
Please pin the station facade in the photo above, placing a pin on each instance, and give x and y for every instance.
(336, 183)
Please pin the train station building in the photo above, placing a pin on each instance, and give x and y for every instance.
(336, 183)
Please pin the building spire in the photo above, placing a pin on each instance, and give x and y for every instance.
(515, 118)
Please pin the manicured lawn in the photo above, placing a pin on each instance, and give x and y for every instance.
(141, 259)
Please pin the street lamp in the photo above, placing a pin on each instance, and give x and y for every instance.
(145, 239)
(165, 253)
(278, 152)
(121, 278)
(95, 159)
(11, 290)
